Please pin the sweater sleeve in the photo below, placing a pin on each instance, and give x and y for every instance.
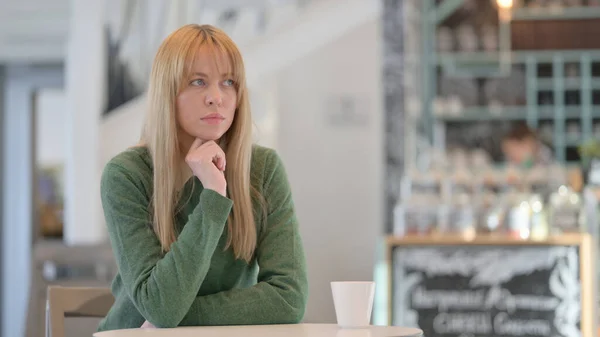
(161, 286)
(281, 292)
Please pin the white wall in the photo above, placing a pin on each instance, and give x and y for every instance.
(50, 128)
(336, 171)
(33, 31)
(85, 83)
(121, 129)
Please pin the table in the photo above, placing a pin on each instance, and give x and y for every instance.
(288, 330)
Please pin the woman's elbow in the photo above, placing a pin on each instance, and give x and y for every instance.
(157, 311)
(161, 318)
(295, 316)
(164, 322)
(295, 310)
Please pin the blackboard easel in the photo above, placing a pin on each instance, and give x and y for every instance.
(446, 280)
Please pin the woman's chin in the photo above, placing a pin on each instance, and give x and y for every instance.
(209, 136)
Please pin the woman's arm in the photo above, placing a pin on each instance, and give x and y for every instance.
(282, 290)
(161, 286)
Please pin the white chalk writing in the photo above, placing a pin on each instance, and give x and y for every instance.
(496, 297)
(502, 299)
(504, 325)
(444, 299)
(472, 322)
(483, 266)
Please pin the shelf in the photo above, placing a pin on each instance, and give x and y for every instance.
(555, 13)
(485, 114)
(507, 113)
(573, 111)
(569, 83)
(547, 112)
(482, 240)
(570, 142)
(529, 61)
(516, 57)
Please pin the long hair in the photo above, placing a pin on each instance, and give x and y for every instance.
(170, 72)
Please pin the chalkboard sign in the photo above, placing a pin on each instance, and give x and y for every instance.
(492, 288)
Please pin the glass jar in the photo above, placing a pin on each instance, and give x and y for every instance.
(463, 216)
(417, 216)
(539, 222)
(519, 216)
(565, 213)
(492, 215)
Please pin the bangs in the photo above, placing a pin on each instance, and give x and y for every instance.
(227, 58)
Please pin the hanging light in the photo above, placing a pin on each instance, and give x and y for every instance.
(504, 4)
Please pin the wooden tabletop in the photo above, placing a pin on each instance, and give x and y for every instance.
(290, 330)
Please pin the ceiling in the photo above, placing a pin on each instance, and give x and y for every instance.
(35, 31)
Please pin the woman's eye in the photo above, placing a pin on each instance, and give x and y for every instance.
(197, 82)
(228, 83)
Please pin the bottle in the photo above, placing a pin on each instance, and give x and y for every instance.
(519, 217)
(463, 217)
(492, 214)
(417, 214)
(539, 221)
(565, 211)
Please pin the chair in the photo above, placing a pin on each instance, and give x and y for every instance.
(65, 302)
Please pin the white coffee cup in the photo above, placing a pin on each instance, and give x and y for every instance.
(353, 303)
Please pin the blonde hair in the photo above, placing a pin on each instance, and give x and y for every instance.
(169, 76)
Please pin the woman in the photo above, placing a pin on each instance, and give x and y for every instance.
(523, 149)
(201, 222)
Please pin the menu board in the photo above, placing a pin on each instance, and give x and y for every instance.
(458, 290)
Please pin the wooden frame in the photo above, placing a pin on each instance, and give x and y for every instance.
(74, 302)
(587, 263)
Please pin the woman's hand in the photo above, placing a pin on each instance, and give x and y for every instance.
(147, 325)
(207, 161)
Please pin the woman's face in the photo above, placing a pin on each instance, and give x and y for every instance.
(206, 105)
(518, 152)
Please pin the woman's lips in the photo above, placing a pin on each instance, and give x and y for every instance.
(213, 119)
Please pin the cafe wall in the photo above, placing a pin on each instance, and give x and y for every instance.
(330, 138)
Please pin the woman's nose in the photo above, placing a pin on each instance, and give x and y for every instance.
(214, 97)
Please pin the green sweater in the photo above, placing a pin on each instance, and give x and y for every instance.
(198, 282)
